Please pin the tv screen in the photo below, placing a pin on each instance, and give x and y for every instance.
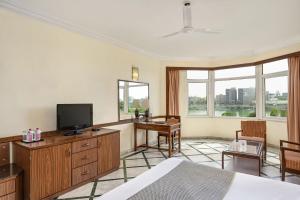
(74, 116)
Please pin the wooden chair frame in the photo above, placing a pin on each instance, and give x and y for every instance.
(283, 167)
(162, 134)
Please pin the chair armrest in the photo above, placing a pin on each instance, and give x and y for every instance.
(283, 149)
(284, 141)
(237, 134)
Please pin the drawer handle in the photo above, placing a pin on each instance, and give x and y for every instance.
(84, 173)
(85, 145)
(84, 158)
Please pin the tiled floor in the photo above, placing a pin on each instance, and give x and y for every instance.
(204, 151)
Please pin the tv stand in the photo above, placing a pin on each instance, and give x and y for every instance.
(73, 132)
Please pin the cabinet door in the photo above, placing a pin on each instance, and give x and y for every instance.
(108, 153)
(50, 170)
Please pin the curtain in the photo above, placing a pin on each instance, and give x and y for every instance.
(293, 120)
(173, 92)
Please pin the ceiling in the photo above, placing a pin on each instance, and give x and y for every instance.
(248, 27)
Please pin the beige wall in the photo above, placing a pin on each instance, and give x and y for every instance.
(42, 65)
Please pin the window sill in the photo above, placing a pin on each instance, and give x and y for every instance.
(283, 120)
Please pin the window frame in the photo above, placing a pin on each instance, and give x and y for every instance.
(232, 79)
(206, 81)
(264, 77)
(259, 78)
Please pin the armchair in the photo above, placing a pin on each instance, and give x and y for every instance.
(255, 131)
(289, 158)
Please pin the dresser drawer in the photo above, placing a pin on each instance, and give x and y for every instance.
(84, 157)
(4, 153)
(11, 196)
(84, 145)
(83, 173)
(7, 187)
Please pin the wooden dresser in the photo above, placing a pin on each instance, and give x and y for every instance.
(61, 163)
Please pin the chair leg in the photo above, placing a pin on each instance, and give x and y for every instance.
(282, 175)
(167, 140)
(158, 142)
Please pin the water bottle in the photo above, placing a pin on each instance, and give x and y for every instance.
(29, 135)
(38, 134)
(24, 135)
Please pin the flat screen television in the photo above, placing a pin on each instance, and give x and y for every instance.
(73, 118)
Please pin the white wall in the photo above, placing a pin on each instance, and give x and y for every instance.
(42, 65)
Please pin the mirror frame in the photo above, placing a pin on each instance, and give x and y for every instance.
(118, 81)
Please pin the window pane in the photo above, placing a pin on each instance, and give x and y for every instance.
(197, 99)
(138, 98)
(197, 74)
(277, 66)
(276, 96)
(235, 72)
(235, 98)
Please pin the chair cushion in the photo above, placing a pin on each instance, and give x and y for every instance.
(292, 160)
(258, 139)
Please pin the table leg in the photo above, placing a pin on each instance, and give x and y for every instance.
(147, 138)
(169, 139)
(135, 142)
(222, 160)
(179, 140)
(259, 166)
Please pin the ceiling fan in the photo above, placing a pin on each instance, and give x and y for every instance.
(187, 23)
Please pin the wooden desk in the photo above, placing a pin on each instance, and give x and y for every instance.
(169, 128)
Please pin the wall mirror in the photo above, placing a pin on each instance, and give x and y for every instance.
(132, 95)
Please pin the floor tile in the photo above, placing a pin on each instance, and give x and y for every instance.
(208, 151)
(82, 191)
(106, 186)
(199, 158)
(155, 161)
(114, 175)
(133, 172)
(136, 162)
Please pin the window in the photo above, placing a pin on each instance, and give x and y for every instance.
(275, 75)
(235, 94)
(197, 92)
(259, 91)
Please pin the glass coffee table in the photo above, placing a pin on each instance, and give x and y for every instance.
(245, 149)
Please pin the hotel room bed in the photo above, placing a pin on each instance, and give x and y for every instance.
(158, 183)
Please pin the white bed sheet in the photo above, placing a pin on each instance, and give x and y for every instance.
(243, 186)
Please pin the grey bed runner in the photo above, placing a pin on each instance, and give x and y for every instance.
(188, 181)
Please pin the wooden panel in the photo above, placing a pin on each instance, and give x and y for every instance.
(4, 153)
(84, 157)
(108, 153)
(7, 187)
(11, 196)
(22, 159)
(83, 173)
(84, 145)
(50, 170)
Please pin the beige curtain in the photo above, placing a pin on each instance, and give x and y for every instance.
(294, 100)
(173, 92)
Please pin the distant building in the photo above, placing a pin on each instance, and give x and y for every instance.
(231, 96)
(221, 99)
(246, 96)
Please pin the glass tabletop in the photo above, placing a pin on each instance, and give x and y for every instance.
(245, 147)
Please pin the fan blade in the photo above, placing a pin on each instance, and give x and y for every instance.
(207, 30)
(172, 34)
